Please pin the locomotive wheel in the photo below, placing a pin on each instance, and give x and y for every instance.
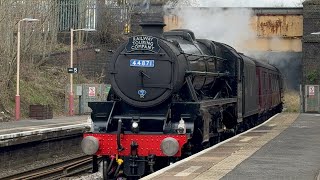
(241, 128)
(215, 140)
(230, 133)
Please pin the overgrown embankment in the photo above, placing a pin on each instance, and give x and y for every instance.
(43, 85)
(291, 101)
(41, 35)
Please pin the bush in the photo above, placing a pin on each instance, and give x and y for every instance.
(291, 101)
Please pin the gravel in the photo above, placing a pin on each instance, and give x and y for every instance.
(88, 176)
(94, 176)
(39, 164)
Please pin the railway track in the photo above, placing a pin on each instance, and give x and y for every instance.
(56, 171)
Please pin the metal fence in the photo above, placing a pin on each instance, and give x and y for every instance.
(77, 14)
(85, 93)
(83, 13)
(119, 12)
(311, 97)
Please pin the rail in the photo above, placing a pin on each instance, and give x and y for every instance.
(57, 170)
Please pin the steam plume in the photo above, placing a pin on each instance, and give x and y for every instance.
(233, 27)
(230, 26)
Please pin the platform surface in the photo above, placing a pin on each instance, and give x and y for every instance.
(26, 127)
(285, 147)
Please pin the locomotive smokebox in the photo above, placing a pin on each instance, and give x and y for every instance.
(152, 24)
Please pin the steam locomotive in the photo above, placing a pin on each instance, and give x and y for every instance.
(173, 95)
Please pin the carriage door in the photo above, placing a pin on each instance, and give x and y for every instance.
(312, 98)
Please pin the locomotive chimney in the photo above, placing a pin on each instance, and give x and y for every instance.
(152, 24)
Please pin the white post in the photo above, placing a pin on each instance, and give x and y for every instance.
(71, 97)
(17, 98)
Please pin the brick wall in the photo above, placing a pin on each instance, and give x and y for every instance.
(90, 62)
(311, 43)
(311, 59)
(311, 16)
(310, 46)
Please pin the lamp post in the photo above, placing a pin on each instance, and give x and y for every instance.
(71, 96)
(17, 99)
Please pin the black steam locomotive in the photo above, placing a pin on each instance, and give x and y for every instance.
(174, 95)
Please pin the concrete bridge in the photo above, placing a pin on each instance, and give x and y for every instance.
(276, 35)
(277, 29)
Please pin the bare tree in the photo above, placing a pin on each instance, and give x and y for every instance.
(37, 40)
(41, 38)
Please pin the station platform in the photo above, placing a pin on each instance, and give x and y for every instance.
(31, 144)
(287, 146)
(24, 131)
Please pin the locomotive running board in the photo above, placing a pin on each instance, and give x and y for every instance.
(218, 102)
(215, 102)
(200, 73)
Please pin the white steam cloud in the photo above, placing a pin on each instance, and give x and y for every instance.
(233, 27)
(230, 26)
(239, 3)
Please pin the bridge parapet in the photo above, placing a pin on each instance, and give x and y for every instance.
(277, 29)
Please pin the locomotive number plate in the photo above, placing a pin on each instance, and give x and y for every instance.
(142, 63)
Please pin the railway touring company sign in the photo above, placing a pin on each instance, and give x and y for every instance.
(143, 43)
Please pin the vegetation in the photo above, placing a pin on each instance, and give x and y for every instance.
(291, 101)
(44, 84)
(41, 83)
(313, 76)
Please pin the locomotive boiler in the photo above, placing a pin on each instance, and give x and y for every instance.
(173, 95)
